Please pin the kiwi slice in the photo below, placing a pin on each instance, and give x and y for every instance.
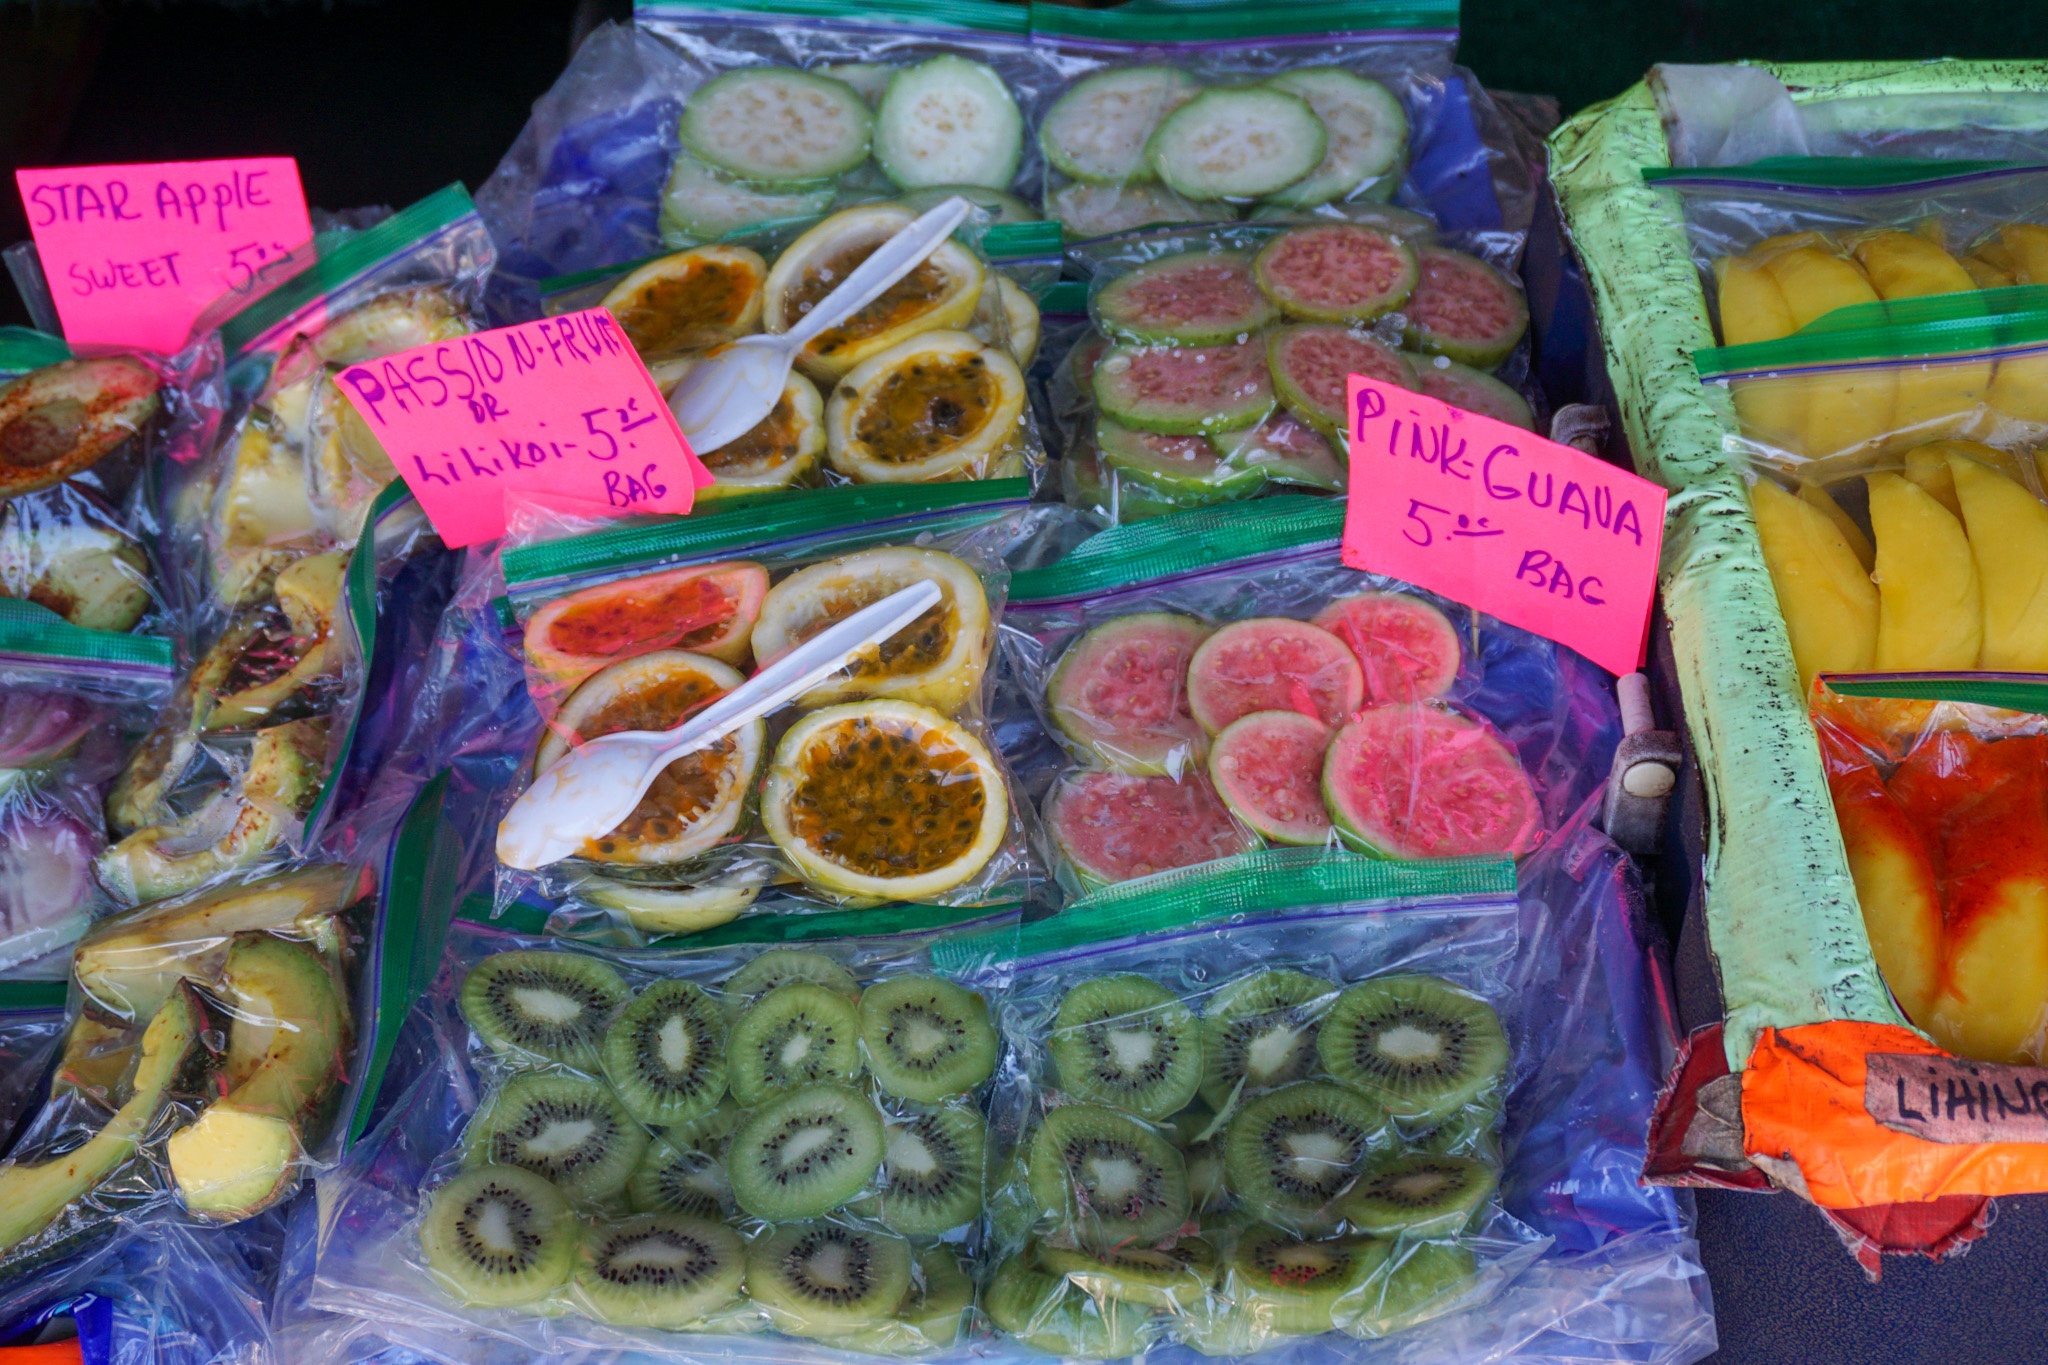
(793, 1035)
(1291, 1151)
(1473, 1131)
(1259, 1033)
(706, 1132)
(1295, 1286)
(1127, 1041)
(542, 1006)
(1220, 1328)
(781, 967)
(1419, 1194)
(659, 1269)
(673, 1179)
(805, 1152)
(1109, 1178)
(926, 1038)
(1043, 1311)
(931, 1170)
(1419, 1045)
(499, 1236)
(1177, 1279)
(1194, 1125)
(565, 1129)
(1418, 1281)
(929, 1317)
(665, 1053)
(1208, 1187)
(827, 1279)
(1012, 1209)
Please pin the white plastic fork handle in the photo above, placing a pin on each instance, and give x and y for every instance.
(891, 261)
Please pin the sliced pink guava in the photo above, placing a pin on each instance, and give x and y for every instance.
(1336, 272)
(1113, 827)
(1268, 768)
(1465, 309)
(1272, 663)
(1312, 364)
(1418, 780)
(1120, 692)
(1406, 648)
(1473, 390)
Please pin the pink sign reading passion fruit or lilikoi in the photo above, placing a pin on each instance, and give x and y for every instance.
(559, 408)
(1535, 533)
(134, 253)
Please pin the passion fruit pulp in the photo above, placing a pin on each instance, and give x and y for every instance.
(704, 609)
(779, 450)
(936, 407)
(690, 301)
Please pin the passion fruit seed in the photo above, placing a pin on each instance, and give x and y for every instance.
(686, 789)
(898, 304)
(768, 444)
(923, 408)
(884, 797)
(635, 625)
(674, 306)
(918, 646)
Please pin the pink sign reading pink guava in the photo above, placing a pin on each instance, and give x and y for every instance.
(1535, 533)
(560, 407)
(134, 253)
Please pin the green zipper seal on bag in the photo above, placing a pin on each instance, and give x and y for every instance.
(1002, 242)
(1252, 884)
(354, 256)
(2003, 691)
(1928, 309)
(1064, 296)
(881, 922)
(982, 16)
(21, 997)
(1945, 325)
(29, 629)
(773, 517)
(24, 348)
(1837, 172)
(1177, 25)
(1183, 542)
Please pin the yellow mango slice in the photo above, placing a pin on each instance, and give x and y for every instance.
(2021, 251)
(1790, 241)
(2008, 530)
(1985, 274)
(1927, 466)
(1905, 265)
(1897, 888)
(1930, 607)
(1752, 306)
(2019, 387)
(1847, 408)
(1830, 606)
(1817, 282)
(1859, 544)
(1932, 396)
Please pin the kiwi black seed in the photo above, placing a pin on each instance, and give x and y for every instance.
(827, 1279)
(930, 1316)
(1177, 1278)
(1290, 1151)
(659, 1269)
(499, 1236)
(1418, 1045)
(931, 1173)
(783, 966)
(1259, 1032)
(1295, 1286)
(926, 1038)
(1107, 1177)
(1128, 1042)
(665, 1053)
(673, 1179)
(565, 1129)
(806, 1152)
(544, 1006)
(793, 1035)
(1419, 1193)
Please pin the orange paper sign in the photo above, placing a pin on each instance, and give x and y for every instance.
(560, 407)
(1538, 534)
(134, 253)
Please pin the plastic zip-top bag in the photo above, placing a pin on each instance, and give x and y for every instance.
(924, 385)
(1219, 679)
(757, 1125)
(73, 704)
(31, 1028)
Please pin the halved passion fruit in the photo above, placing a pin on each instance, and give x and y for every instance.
(659, 908)
(941, 291)
(780, 450)
(697, 800)
(936, 660)
(884, 799)
(65, 417)
(1008, 315)
(705, 609)
(690, 301)
(936, 407)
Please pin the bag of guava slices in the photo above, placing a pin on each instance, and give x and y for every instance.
(1475, 1199)
(766, 1145)
(1219, 679)
(73, 703)
(926, 385)
(1216, 366)
(219, 1046)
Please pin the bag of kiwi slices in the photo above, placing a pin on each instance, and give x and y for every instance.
(1302, 1098)
(763, 1144)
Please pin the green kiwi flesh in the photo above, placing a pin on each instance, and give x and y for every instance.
(781, 967)
(1420, 1280)
(706, 1132)
(1043, 1311)
(1419, 1045)
(1297, 1287)
(931, 1172)
(564, 1129)
(1259, 1033)
(659, 1269)
(1419, 1194)
(827, 1279)
(926, 1037)
(1290, 1151)
(1177, 1279)
(805, 1153)
(929, 1317)
(673, 1179)
(1128, 1042)
(1108, 1178)
(665, 1053)
(794, 1035)
(499, 1236)
(542, 1006)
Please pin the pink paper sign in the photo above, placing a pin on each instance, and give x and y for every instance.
(561, 407)
(134, 253)
(1535, 533)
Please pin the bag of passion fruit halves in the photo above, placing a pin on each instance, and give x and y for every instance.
(774, 1134)
(883, 785)
(1218, 681)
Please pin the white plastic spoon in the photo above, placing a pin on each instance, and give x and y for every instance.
(725, 394)
(596, 785)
